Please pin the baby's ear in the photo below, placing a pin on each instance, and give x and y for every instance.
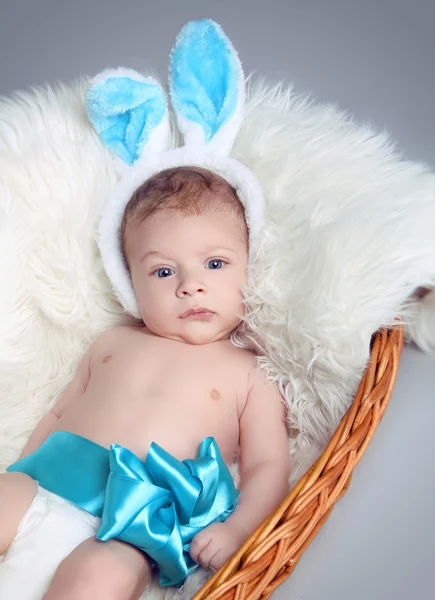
(207, 86)
(129, 113)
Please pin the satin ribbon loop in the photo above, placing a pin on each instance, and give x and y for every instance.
(159, 505)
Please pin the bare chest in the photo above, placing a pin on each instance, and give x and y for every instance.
(169, 393)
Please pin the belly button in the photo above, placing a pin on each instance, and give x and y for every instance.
(214, 394)
(106, 359)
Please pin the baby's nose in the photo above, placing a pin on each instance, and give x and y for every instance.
(190, 287)
(191, 291)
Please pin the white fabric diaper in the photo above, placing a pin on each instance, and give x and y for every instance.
(50, 530)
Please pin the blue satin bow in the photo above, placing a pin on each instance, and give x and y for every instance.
(159, 505)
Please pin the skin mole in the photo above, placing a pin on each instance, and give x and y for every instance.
(107, 359)
(214, 394)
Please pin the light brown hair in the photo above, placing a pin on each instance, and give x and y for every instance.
(189, 190)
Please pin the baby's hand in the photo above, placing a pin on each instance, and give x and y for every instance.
(215, 544)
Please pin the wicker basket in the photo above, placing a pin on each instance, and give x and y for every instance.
(269, 556)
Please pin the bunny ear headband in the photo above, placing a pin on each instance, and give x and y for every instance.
(130, 114)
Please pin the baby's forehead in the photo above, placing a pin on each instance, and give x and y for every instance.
(171, 231)
(219, 217)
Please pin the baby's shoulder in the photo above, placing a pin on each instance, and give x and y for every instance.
(115, 337)
(244, 361)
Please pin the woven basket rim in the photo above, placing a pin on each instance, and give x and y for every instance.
(272, 552)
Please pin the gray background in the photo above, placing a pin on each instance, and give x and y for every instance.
(375, 59)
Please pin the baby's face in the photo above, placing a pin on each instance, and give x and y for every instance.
(182, 263)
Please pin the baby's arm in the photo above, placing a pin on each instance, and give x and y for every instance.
(264, 474)
(75, 388)
(264, 457)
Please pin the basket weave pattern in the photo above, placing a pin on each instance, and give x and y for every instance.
(272, 552)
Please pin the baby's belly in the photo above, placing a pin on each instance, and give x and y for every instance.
(177, 424)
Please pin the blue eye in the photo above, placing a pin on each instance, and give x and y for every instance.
(216, 263)
(163, 272)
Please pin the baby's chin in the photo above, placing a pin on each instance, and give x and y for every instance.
(195, 340)
(195, 336)
(199, 338)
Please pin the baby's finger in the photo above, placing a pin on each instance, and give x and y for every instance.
(217, 560)
(206, 555)
(198, 544)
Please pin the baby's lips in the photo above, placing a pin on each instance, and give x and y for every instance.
(194, 311)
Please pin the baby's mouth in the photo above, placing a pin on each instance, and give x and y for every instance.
(197, 313)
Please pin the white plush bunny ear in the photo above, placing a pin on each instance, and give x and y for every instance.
(129, 112)
(207, 86)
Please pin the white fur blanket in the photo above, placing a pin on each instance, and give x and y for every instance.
(350, 234)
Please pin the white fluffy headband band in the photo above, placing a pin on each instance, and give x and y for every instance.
(130, 114)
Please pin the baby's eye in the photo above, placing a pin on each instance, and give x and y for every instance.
(215, 263)
(163, 272)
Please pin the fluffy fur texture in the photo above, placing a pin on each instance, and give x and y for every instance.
(350, 234)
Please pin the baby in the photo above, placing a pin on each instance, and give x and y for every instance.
(176, 381)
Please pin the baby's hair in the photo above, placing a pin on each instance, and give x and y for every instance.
(189, 190)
